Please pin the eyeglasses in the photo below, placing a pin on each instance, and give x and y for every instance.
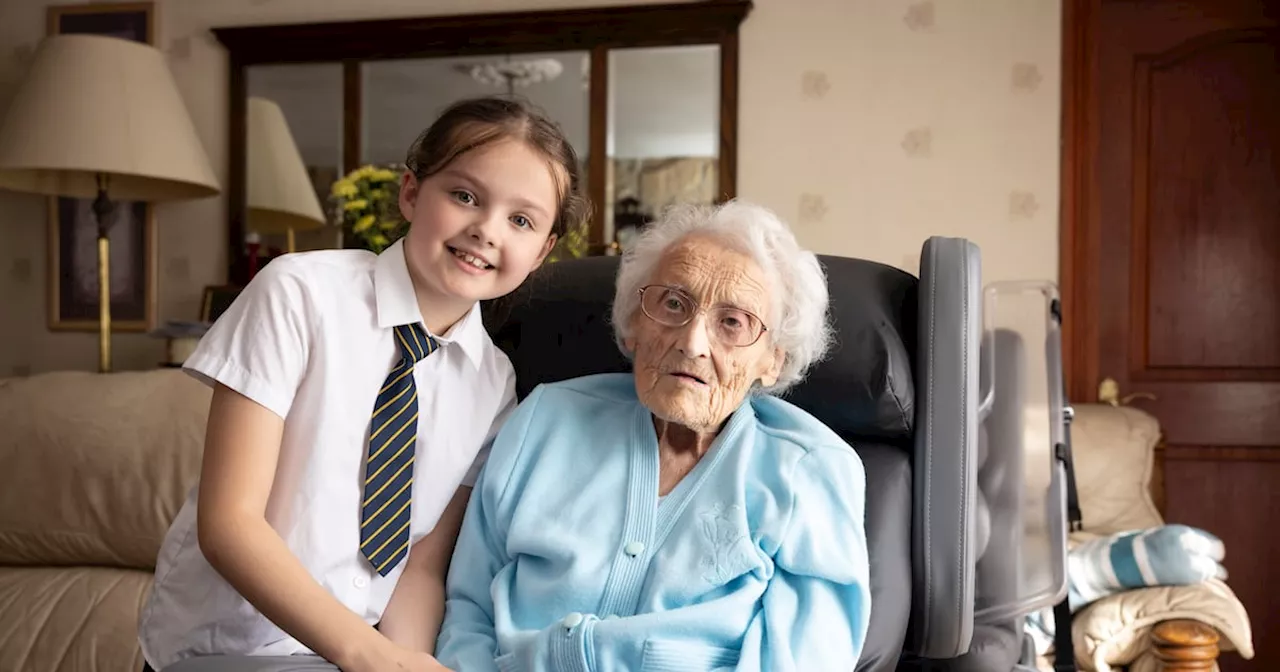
(672, 307)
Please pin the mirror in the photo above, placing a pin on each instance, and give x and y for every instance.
(646, 94)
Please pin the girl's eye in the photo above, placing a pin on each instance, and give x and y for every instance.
(522, 221)
(464, 197)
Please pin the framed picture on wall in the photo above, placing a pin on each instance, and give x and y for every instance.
(73, 229)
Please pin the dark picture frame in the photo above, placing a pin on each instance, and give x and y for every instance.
(216, 300)
(73, 255)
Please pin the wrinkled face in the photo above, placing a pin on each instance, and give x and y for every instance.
(687, 374)
(480, 225)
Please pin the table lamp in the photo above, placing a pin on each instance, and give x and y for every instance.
(101, 117)
(281, 197)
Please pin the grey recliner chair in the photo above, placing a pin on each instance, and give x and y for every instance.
(904, 386)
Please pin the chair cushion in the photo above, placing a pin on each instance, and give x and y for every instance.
(1113, 451)
(889, 544)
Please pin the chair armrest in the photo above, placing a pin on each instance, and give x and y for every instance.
(1183, 644)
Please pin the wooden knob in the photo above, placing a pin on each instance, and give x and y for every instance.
(1185, 644)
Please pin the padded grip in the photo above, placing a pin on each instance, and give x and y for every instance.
(946, 447)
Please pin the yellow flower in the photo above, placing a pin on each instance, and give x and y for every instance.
(388, 224)
(364, 223)
(379, 240)
(344, 189)
(383, 175)
(358, 204)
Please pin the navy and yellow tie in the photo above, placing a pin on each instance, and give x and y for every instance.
(393, 434)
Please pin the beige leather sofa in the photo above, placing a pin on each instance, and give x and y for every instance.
(92, 469)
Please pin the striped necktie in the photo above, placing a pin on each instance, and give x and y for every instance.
(393, 433)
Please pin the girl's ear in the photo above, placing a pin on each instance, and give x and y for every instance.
(546, 249)
(409, 186)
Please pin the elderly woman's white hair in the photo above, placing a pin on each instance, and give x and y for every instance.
(798, 321)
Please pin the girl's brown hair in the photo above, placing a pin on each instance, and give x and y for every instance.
(473, 123)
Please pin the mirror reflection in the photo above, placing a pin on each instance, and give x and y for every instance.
(663, 133)
(401, 97)
(294, 138)
(662, 123)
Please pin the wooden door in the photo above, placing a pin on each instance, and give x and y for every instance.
(1171, 258)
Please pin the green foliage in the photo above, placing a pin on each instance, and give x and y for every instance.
(572, 245)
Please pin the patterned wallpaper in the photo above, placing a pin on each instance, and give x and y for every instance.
(908, 119)
(869, 124)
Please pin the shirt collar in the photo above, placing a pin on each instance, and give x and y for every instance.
(398, 304)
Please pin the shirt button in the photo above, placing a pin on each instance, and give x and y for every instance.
(360, 582)
(572, 620)
(634, 548)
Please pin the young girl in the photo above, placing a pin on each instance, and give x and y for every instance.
(352, 396)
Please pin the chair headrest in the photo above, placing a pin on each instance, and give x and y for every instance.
(557, 326)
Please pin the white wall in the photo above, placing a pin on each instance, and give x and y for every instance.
(869, 124)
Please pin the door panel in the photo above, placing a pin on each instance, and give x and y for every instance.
(1204, 160)
(1176, 269)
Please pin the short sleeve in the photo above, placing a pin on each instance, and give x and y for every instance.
(260, 346)
(504, 412)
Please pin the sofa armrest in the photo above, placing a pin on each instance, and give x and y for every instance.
(1124, 629)
(1184, 644)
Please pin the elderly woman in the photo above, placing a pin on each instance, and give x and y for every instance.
(681, 517)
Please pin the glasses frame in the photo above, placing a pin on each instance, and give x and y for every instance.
(697, 310)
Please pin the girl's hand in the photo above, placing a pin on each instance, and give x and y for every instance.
(429, 664)
(391, 657)
(417, 661)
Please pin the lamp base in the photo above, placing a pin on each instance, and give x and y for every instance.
(102, 212)
(104, 309)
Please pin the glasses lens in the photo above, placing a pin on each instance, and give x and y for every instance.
(666, 305)
(737, 327)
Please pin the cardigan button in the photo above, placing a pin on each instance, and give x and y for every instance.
(572, 620)
(634, 548)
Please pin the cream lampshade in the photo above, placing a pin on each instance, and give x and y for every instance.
(102, 116)
(281, 197)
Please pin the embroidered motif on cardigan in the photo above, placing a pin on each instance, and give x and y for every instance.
(723, 530)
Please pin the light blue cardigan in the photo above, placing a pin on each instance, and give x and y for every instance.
(568, 561)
